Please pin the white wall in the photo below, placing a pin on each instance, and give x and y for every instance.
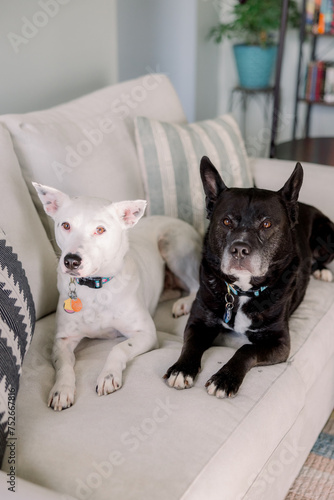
(52, 51)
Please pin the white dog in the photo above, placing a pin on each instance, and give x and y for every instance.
(110, 280)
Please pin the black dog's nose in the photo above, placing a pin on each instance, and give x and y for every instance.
(240, 250)
(72, 261)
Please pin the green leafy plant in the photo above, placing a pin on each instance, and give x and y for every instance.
(255, 22)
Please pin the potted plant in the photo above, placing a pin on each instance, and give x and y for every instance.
(256, 24)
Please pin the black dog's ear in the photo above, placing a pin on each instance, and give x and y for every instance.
(212, 183)
(290, 192)
(291, 188)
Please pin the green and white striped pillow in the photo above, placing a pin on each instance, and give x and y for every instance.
(170, 154)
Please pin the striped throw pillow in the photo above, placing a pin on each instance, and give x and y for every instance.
(170, 154)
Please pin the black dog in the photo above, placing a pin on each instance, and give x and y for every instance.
(257, 259)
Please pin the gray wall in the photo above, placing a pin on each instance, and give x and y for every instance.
(54, 50)
(170, 36)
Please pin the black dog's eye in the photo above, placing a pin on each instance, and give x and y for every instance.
(227, 222)
(66, 226)
(266, 224)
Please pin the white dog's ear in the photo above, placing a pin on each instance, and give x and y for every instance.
(51, 198)
(129, 212)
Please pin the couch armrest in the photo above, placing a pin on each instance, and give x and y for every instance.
(318, 184)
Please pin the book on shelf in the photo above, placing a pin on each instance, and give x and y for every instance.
(319, 83)
(329, 85)
(319, 17)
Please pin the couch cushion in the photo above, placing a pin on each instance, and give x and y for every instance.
(170, 155)
(148, 438)
(20, 222)
(87, 146)
(17, 323)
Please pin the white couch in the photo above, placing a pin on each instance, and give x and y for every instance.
(147, 441)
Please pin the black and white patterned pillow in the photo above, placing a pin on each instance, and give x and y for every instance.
(17, 323)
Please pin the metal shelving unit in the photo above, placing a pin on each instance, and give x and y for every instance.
(319, 149)
(299, 98)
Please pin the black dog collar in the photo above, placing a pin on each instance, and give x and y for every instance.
(95, 282)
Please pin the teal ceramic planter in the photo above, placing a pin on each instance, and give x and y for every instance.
(255, 65)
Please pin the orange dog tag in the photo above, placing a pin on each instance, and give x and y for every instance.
(76, 305)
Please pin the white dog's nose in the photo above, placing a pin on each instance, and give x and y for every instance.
(72, 261)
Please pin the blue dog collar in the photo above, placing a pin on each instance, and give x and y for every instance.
(238, 291)
(93, 282)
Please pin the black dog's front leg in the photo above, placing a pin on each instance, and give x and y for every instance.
(226, 382)
(197, 338)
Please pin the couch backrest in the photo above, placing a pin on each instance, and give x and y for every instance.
(317, 187)
(84, 147)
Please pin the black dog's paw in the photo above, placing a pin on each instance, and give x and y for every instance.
(181, 376)
(224, 383)
(323, 274)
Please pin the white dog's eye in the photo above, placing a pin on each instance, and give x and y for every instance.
(66, 226)
(100, 230)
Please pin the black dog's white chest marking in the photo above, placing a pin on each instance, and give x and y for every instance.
(241, 321)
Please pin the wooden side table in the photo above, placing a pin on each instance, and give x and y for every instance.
(311, 149)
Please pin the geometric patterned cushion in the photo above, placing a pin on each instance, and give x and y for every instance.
(169, 156)
(17, 323)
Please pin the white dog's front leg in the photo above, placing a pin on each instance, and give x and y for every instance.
(183, 305)
(62, 393)
(140, 341)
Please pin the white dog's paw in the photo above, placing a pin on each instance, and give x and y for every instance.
(61, 397)
(108, 382)
(323, 275)
(182, 306)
